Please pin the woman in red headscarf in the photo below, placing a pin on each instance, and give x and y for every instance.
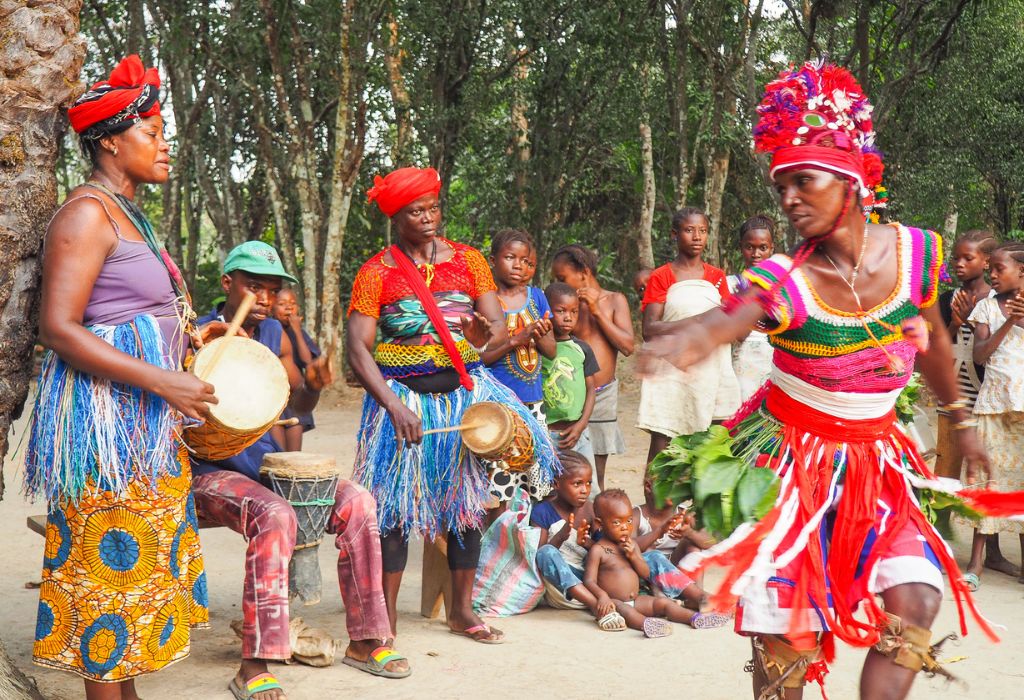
(123, 578)
(435, 304)
(846, 552)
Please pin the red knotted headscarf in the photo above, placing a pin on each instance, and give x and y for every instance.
(131, 93)
(401, 187)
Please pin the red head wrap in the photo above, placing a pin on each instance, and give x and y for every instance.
(818, 116)
(129, 94)
(401, 187)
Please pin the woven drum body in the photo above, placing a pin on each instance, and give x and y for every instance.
(498, 434)
(308, 482)
(251, 387)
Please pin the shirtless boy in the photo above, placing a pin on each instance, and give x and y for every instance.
(614, 567)
(604, 324)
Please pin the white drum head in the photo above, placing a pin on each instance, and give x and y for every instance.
(249, 381)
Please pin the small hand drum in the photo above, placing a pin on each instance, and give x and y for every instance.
(498, 434)
(252, 389)
(308, 482)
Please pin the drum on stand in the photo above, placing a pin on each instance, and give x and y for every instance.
(251, 387)
(496, 433)
(308, 482)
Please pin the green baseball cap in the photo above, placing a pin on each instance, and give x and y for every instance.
(256, 258)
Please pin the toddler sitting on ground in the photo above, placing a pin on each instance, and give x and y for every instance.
(614, 567)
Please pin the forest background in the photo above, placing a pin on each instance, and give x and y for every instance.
(586, 122)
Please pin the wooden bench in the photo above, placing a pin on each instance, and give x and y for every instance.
(436, 589)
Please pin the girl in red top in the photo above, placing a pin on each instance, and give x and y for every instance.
(675, 402)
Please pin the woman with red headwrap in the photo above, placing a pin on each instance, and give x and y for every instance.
(435, 304)
(123, 578)
(848, 314)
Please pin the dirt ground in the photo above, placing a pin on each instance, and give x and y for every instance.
(549, 653)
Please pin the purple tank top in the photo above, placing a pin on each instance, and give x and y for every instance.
(133, 282)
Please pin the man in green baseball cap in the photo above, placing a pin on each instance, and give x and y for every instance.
(256, 258)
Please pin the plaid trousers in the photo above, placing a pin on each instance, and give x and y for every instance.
(267, 522)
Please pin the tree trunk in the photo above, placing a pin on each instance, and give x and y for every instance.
(646, 247)
(717, 169)
(348, 156)
(399, 95)
(40, 64)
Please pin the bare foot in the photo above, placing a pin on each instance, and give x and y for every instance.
(1002, 565)
(250, 669)
(360, 651)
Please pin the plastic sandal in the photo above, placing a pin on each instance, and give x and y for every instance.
(612, 622)
(257, 684)
(475, 630)
(376, 663)
(709, 620)
(655, 627)
(972, 581)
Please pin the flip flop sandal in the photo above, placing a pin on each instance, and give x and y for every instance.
(709, 620)
(257, 684)
(471, 632)
(655, 627)
(972, 581)
(612, 622)
(376, 663)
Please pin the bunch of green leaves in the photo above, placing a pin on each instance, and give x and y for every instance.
(934, 501)
(726, 490)
(907, 399)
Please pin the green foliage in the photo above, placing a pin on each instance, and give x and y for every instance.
(908, 398)
(945, 82)
(726, 491)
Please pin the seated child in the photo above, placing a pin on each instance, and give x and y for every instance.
(668, 529)
(564, 521)
(569, 388)
(614, 567)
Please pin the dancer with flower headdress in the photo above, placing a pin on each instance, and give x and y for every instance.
(846, 552)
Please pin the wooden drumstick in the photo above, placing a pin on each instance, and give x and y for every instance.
(287, 422)
(453, 428)
(236, 322)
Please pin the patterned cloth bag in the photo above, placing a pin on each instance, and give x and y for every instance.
(507, 579)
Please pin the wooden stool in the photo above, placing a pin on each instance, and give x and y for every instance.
(436, 587)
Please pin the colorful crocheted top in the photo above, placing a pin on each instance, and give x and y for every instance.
(831, 349)
(409, 346)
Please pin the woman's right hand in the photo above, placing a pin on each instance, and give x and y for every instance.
(408, 426)
(187, 393)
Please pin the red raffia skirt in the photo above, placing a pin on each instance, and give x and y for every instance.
(846, 526)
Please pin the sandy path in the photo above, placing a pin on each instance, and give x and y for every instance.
(549, 653)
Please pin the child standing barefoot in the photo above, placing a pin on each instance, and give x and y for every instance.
(606, 325)
(614, 567)
(516, 362)
(752, 356)
(569, 386)
(677, 402)
(999, 345)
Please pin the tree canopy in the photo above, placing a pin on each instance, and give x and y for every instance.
(581, 122)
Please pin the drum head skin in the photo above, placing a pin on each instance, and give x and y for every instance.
(299, 465)
(249, 381)
(493, 427)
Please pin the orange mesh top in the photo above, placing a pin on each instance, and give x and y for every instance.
(378, 283)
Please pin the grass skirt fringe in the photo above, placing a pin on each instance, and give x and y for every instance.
(438, 485)
(91, 433)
